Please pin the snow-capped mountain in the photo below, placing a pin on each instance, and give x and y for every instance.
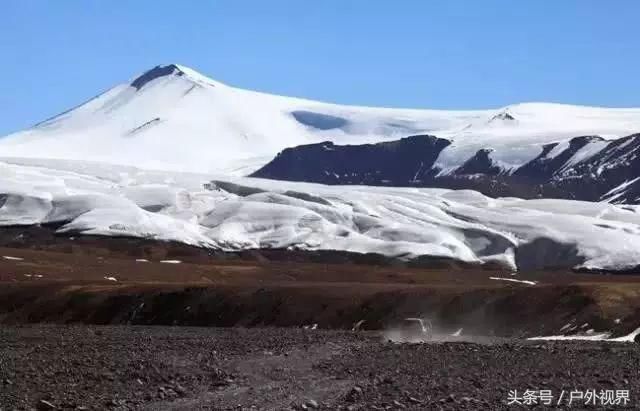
(172, 117)
(587, 168)
(174, 120)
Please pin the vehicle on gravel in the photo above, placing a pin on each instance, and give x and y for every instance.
(414, 328)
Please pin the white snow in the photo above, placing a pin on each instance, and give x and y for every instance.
(513, 280)
(141, 260)
(591, 337)
(404, 223)
(558, 149)
(566, 326)
(110, 278)
(8, 257)
(618, 191)
(186, 121)
(627, 338)
(589, 150)
(170, 261)
(623, 185)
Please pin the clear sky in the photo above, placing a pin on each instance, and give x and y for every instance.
(406, 53)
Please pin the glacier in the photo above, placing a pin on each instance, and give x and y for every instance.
(236, 213)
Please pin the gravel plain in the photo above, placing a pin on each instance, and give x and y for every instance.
(185, 368)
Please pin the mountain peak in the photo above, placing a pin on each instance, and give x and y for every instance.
(171, 70)
(504, 115)
(154, 73)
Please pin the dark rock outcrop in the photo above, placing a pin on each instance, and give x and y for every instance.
(584, 168)
(403, 162)
(154, 73)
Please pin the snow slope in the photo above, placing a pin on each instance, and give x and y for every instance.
(241, 213)
(174, 118)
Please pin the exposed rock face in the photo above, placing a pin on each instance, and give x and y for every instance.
(154, 73)
(403, 161)
(584, 168)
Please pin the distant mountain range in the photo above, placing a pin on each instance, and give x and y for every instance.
(174, 118)
(582, 168)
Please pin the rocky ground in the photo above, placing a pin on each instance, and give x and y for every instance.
(117, 323)
(186, 368)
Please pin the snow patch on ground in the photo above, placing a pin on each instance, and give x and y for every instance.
(513, 280)
(591, 337)
(8, 257)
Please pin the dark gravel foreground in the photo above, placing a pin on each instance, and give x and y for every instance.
(183, 368)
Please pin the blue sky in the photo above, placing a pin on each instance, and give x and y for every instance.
(423, 54)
